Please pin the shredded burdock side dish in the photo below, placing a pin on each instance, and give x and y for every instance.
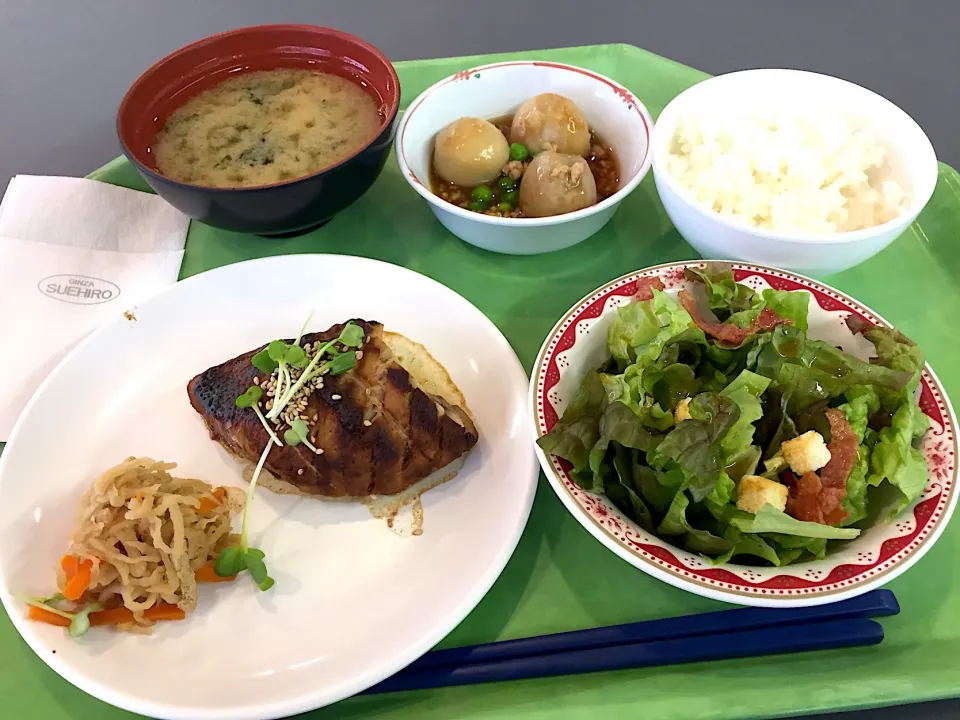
(142, 542)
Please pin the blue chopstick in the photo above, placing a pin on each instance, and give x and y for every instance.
(878, 603)
(803, 637)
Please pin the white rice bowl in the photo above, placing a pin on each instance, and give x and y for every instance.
(786, 169)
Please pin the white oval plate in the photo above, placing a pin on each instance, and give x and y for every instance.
(578, 343)
(354, 602)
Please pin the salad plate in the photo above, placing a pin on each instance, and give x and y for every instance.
(884, 548)
(355, 598)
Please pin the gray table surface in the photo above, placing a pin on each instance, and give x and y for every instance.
(65, 64)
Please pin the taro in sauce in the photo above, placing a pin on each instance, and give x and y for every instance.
(502, 202)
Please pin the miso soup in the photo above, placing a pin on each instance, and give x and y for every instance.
(266, 127)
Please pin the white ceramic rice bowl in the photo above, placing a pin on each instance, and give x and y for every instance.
(911, 158)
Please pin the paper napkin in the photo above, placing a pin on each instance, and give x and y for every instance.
(73, 254)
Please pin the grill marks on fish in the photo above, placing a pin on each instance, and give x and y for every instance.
(379, 432)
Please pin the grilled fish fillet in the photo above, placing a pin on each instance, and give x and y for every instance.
(380, 429)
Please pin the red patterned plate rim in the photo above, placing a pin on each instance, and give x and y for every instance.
(803, 583)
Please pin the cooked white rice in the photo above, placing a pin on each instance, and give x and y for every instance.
(786, 172)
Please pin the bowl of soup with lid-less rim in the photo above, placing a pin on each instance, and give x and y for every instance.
(269, 130)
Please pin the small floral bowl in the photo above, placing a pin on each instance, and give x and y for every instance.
(578, 343)
(492, 91)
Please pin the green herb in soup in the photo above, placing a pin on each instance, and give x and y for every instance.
(266, 127)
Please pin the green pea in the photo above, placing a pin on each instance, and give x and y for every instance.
(505, 207)
(506, 183)
(477, 206)
(512, 196)
(482, 194)
(518, 151)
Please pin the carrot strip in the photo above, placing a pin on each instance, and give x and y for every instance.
(165, 611)
(119, 615)
(77, 584)
(45, 616)
(207, 574)
(111, 617)
(69, 564)
(206, 504)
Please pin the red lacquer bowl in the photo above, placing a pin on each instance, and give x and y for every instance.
(282, 208)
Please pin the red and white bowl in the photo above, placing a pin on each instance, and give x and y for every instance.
(578, 343)
(491, 91)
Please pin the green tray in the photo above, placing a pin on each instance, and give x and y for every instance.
(560, 578)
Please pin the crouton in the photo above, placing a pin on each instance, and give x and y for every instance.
(806, 453)
(683, 411)
(753, 492)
